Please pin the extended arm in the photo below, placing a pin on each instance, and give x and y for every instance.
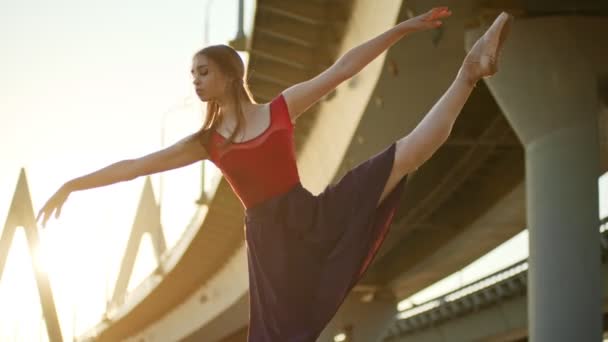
(184, 152)
(303, 95)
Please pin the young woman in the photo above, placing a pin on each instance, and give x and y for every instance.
(305, 251)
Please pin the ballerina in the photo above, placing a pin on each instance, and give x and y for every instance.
(305, 251)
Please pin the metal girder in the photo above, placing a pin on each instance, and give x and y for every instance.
(21, 214)
(494, 293)
(147, 220)
(280, 74)
(309, 12)
(280, 51)
(282, 27)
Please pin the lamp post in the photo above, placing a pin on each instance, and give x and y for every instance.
(203, 196)
(163, 120)
(240, 41)
(206, 32)
(186, 101)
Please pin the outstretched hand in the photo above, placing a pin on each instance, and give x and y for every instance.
(53, 204)
(429, 20)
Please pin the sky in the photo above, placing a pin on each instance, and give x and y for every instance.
(84, 84)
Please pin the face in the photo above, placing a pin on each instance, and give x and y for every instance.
(209, 82)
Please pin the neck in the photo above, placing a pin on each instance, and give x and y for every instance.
(228, 106)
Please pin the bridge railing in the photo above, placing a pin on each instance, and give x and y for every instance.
(507, 282)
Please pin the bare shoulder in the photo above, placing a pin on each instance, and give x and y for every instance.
(184, 152)
(193, 147)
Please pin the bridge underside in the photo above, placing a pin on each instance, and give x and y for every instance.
(466, 200)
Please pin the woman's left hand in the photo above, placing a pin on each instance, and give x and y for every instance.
(426, 21)
(54, 204)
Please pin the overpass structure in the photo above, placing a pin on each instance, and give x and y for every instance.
(532, 126)
(524, 152)
(491, 309)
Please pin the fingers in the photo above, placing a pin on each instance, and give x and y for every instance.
(438, 13)
(41, 214)
(44, 213)
(46, 218)
(58, 212)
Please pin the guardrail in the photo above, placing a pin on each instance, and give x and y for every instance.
(505, 283)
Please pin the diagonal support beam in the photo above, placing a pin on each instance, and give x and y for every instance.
(21, 214)
(147, 220)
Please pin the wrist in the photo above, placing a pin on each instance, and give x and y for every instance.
(406, 27)
(69, 186)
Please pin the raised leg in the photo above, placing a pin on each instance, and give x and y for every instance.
(417, 147)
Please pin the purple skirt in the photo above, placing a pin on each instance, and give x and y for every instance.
(306, 252)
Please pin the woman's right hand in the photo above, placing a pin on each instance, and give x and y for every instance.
(54, 204)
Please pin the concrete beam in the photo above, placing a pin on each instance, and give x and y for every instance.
(312, 13)
(361, 320)
(555, 116)
(502, 321)
(212, 312)
(283, 27)
(505, 219)
(339, 117)
(280, 74)
(283, 52)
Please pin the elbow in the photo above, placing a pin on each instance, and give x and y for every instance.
(129, 178)
(344, 70)
(131, 170)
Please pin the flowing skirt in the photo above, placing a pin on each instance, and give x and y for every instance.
(306, 252)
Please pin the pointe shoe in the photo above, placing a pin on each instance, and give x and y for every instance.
(482, 59)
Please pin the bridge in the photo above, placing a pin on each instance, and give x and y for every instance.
(526, 151)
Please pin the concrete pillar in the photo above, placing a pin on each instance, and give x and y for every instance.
(363, 321)
(547, 86)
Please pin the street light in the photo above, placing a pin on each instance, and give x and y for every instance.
(240, 41)
(207, 12)
(203, 196)
(186, 101)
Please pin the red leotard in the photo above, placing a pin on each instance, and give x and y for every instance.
(305, 252)
(262, 167)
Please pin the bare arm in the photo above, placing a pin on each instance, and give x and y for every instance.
(303, 95)
(184, 152)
